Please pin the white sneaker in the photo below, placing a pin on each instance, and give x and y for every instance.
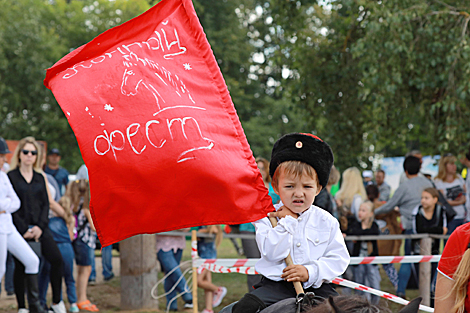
(219, 296)
(59, 307)
(23, 311)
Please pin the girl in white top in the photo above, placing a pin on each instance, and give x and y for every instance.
(10, 238)
(452, 186)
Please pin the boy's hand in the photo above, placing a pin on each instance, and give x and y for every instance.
(295, 273)
(283, 212)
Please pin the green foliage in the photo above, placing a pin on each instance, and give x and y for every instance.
(413, 64)
(232, 39)
(34, 34)
(369, 77)
(379, 76)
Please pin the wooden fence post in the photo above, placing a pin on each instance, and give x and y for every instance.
(138, 272)
(425, 272)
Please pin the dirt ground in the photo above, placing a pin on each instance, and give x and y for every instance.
(106, 295)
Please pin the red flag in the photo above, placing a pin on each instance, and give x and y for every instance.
(157, 128)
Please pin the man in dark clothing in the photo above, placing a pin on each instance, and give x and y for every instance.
(60, 174)
(323, 200)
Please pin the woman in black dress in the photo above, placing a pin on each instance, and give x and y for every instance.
(31, 220)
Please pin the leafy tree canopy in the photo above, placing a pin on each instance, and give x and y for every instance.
(378, 77)
(370, 77)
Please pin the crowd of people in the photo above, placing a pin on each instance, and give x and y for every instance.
(46, 228)
(365, 205)
(420, 204)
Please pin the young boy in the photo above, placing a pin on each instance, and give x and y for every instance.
(366, 274)
(300, 166)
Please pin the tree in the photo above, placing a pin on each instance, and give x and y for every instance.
(56, 28)
(369, 77)
(34, 35)
(377, 76)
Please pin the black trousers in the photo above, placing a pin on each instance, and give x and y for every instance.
(274, 291)
(251, 251)
(51, 253)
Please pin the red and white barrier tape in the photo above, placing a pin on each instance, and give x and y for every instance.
(339, 281)
(246, 266)
(223, 269)
(234, 263)
(386, 295)
(394, 259)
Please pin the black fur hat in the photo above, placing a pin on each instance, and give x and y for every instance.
(306, 148)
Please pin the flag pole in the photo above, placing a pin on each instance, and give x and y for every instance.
(194, 257)
(297, 284)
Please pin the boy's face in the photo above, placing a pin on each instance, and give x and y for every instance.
(364, 212)
(427, 200)
(297, 193)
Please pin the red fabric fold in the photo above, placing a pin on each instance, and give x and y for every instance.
(157, 128)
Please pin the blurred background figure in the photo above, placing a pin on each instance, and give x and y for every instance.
(367, 178)
(250, 248)
(324, 199)
(465, 160)
(32, 220)
(452, 187)
(388, 225)
(407, 197)
(106, 252)
(350, 196)
(169, 253)
(207, 249)
(384, 188)
(53, 168)
(10, 265)
(416, 154)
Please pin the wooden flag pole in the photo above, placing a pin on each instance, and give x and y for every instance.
(297, 284)
(194, 241)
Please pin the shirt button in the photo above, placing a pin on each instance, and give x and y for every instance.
(298, 244)
(317, 240)
(300, 219)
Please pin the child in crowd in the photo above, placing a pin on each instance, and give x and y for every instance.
(169, 253)
(84, 244)
(207, 249)
(366, 274)
(430, 218)
(388, 225)
(300, 166)
(62, 232)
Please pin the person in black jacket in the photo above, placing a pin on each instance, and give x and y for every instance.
(429, 218)
(366, 274)
(31, 220)
(324, 199)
